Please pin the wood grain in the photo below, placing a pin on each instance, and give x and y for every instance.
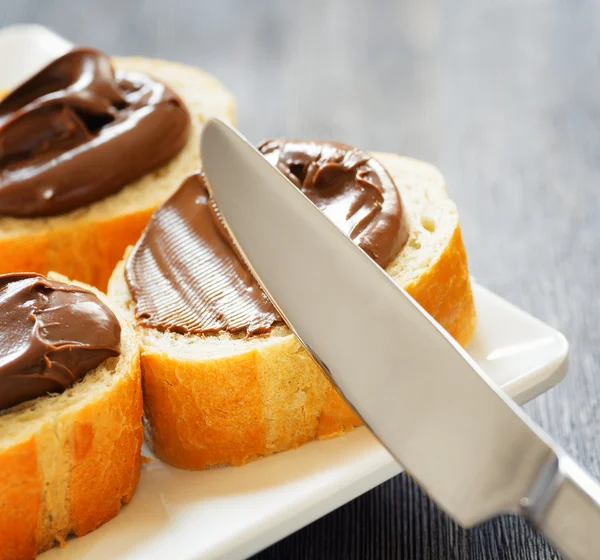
(502, 96)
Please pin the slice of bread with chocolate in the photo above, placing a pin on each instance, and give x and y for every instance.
(90, 147)
(70, 412)
(224, 379)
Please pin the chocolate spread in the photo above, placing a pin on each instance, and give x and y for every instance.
(185, 275)
(51, 335)
(78, 131)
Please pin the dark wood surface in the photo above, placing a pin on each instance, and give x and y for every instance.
(504, 96)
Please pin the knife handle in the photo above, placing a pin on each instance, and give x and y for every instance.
(565, 507)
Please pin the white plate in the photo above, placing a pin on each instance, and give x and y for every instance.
(233, 512)
(31, 47)
(236, 511)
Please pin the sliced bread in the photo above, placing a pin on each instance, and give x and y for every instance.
(86, 243)
(69, 461)
(226, 399)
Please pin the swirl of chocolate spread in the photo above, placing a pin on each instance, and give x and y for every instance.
(184, 274)
(51, 335)
(77, 132)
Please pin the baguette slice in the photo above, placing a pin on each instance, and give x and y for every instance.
(68, 462)
(86, 244)
(213, 400)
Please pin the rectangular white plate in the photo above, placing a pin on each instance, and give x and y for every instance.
(236, 511)
(233, 512)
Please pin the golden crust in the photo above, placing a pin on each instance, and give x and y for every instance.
(444, 291)
(19, 501)
(87, 251)
(92, 457)
(106, 455)
(218, 415)
(205, 412)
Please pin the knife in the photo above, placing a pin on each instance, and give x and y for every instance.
(466, 444)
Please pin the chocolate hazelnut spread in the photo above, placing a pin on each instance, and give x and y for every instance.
(185, 275)
(78, 131)
(51, 335)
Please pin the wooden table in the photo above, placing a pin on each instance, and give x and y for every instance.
(504, 96)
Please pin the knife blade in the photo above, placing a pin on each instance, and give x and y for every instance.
(465, 443)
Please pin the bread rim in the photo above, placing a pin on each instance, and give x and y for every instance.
(86, 244)
(223, 400)
(69, 462)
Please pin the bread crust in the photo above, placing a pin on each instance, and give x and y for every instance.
(86, 244)
(84, 250)
(78, 466)
(444, 291)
